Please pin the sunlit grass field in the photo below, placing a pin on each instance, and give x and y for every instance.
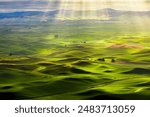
(75, 60)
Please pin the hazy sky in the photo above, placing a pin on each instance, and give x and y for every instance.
(40, 5)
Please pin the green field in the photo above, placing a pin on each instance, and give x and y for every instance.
(75, 60)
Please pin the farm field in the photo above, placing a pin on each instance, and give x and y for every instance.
(75, 60)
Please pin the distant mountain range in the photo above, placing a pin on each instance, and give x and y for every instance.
(51, 14)
(26, 14)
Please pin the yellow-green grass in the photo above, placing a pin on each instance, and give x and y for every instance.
(75, 60)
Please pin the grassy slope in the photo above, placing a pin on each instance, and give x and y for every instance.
(42, 66)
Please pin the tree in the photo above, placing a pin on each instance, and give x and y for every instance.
(101, 59)
(10, 54)
(56, 36)
(113, 60)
